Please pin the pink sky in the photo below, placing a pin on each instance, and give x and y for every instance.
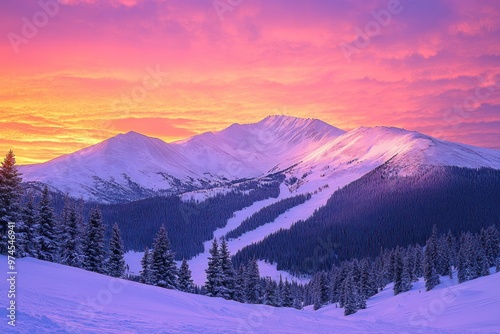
(87, 70)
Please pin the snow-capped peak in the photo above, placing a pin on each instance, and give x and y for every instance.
(132, 160)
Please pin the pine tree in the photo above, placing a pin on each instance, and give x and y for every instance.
(116, 261)
(71, 240)
(280, 291)
(10, 194)
(398, 272)
(252, 280)
(93, 244)
(406, 278)
(228, 275)
(465, 265)
(490, 241)
(350, 296)
(321, 293)
(270, 292)
(419, 259)
(239, 287)
(31, 237)
(47, 241)
(214, 273)
(430, 261)
(296, 296)
(163, 267)
(146, 276)
(287, 295)
(185, 281)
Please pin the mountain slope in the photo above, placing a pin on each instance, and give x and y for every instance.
(57, 299)
(60, 299)
(132, 166)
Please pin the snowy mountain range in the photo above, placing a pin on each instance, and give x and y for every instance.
(310, 152)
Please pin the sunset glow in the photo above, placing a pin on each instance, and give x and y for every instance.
(75, 72)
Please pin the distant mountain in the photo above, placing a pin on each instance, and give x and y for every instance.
(313, 153)
(133, 166)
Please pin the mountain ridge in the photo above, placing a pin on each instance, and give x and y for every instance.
(245, 151)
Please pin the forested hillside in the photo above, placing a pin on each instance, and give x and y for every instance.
(382, 210)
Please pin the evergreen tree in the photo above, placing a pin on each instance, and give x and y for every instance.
(215, 276)
(228, 274)
(116, 261)
(163, 267)
(406, 278)
(280, 291)
(29, 245)
(146, 275)
(10, 194)
(71, 240)
(296, 296)
(270, 292)
(430, 261)
(398, 272)
(321, 293)
(490, 241)
(465, 264)
(93, 244)
(350, 294)
(419, 262)
(47, 240)
(239, 288)
(252, 280)
(287, 295)
(185, 281)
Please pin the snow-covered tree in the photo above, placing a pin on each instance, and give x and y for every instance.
(28, 245)
(93, 244)
(398, 272)
(71, 239)
(430, 261)
(239, 285)
(490, 241)
(185, 280)
(252, 282)
(10, 194)
(47, 239)
(146, 276)
(163, 267)
(350, 296)
(116, 261)
(419, 262)
(270, 292)
(287, 295)
(320, 293)
(228, 274)
(214, 273)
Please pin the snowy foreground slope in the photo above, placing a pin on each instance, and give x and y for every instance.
(56, 299)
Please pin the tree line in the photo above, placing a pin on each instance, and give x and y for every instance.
(63, 239)
(382, 211)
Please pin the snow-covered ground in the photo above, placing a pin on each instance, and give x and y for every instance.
(52, 298)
